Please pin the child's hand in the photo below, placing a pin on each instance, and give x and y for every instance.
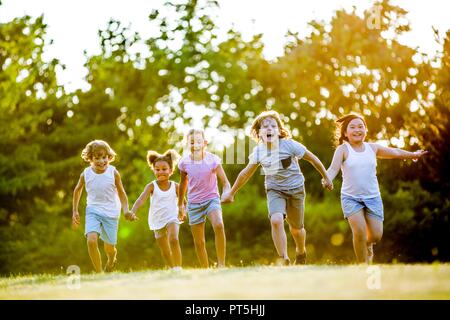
(75, 219)
(227, 197)
(418, 154)
(181, 213)
(327, 183)
(131, 216)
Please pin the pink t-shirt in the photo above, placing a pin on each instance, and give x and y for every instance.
(202, 178)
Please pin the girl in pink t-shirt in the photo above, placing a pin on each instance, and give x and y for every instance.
(198, 172)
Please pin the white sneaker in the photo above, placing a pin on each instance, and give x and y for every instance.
(178, 268)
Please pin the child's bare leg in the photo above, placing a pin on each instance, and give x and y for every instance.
(358, 226)
(278, 234)
(174, 243)
(94, 253)
(299, 236)
(198, 233)
(111, 252)
(374, 234)
(215, 217)
(163, 244)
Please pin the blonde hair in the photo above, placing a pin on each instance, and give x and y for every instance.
(194, 131)
(95, 147)
(256, 125)
(170, 156)
(342, 124)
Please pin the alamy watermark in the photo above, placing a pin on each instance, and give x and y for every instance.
(73, 281)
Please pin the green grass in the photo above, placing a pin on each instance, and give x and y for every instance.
(265, 282)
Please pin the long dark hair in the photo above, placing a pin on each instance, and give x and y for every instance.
(342, 124)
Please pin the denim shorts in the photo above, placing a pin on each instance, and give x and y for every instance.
(291, 203)
(372, 207)
(105, 226)
(197, 211)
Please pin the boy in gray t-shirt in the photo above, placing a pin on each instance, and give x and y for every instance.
(278, 156)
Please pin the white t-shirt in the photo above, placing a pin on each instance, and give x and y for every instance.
(102, 192)
(163, 207)
(359, 173)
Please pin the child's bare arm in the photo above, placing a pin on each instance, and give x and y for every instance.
(76, 200)
(311, 158)
(223, 178)
(396, 153)
(336, 163)
(121, 191)
(243, 177)
(181, 191)
(148, 190)
(182, 187)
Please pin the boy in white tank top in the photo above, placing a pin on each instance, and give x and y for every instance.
(105, 198)
(360, 194)
(163, 213)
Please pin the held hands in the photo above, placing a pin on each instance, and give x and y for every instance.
(227, 196)
(75, 219)
(327, 183)
(131, 216)
(181, 213)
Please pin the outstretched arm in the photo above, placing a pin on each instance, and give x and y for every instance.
(241, 180)
(311, 158)
(76, 200)
(396, 153)
(142, 198)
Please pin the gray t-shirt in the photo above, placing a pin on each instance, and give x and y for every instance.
(280, 166)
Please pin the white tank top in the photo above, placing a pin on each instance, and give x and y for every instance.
(102, 192)
(359, 173)
(163, 207)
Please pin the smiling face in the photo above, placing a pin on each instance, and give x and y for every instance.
(196, 142)
(269, 131)
(100, 160)
(162, 170)
(356, 131)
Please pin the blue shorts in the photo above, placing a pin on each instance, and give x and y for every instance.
(197, 211)
(105, 226)
(373, 206)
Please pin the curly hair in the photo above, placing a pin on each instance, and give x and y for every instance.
(170, 156)
(256, 125)
(94, 147)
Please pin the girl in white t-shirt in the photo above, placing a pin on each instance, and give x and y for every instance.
(163, 213)
(360, 195)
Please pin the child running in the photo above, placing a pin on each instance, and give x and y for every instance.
(163, 213)
(105, 198)
(199, 170)
(360, 194)
(278, 155)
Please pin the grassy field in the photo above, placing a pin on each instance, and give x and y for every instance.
(265, 282)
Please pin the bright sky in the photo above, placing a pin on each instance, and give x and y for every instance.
(73, 24)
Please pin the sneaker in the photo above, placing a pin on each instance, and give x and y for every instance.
(300, 258)
(111, 267)
(370, 253)
(177, 269)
